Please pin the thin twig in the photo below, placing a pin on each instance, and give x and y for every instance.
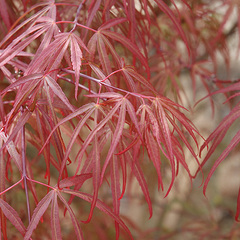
(101, 82)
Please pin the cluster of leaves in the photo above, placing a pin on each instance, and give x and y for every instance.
(84, 89)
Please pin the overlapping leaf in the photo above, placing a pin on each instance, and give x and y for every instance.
(99, 204)
(216, 138)
(18, 44)
(74, 220)
(159, 137)
(129, 45)
(48, 46)
(162, 5)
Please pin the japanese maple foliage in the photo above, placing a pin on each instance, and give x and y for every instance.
(89, 91)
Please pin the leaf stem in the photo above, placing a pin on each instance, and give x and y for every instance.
(80, 85)
(12, 186)
(78, 24)
(43, 184)
(107, 85)
(76, 17)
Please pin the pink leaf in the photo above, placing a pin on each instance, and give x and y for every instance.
(12, 50)
(84, 108)
(92, 11)
(55, 221)
(238, 207)
(154, 154)
(132, 114)
(74, 180)
(139, 78)
(11, 148)
(99, 204)
(167, 138)
(115, 187)
(155, 128)
(4, 13)
(12, 216)
(51, 57)
(113, 95)
(58, 91)
(163, 6)
(219, 133)
(111, 23)
(142, 182)
(76, 56)
(96, 129)
(30, 19)
(92, 45)
(124, 174)
(103, 55)
(37, 214)
(129, 45)
(88, 164)
(230, 147)
(96, 170)
(116, 136)
(26, 79)
(73, 138)
(130, 12)
(112, 49)
(75, 223)
(46, 41)
(21, 122)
